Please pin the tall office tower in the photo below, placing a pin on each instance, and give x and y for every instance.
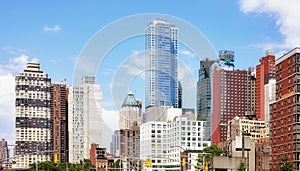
(33, 116)
(179, 95)
(204, 95)
(161, 83)
(230, 95)
(251, 114)
(130, 113)
(114, 145)
(285, 111)
(85, 109)
(59, 114)
(4, 155)
(265, 85)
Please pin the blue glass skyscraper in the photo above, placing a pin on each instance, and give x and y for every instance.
(161, 77)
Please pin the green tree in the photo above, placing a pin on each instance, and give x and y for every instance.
(207, 155)
(284, 164)
(51, 166)
(117, 165)
(241, 167)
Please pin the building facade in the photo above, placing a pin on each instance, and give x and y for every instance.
(130, 113)
(85, 120)
(204, 95)
(163, 141)
(256, 129)
(33, 116)
(59, 114)
(231, 96)
(130, 142)
(265, 85)
(262, 154)
(161, 76)
(285, 111)
(4, 155)
(115, 145)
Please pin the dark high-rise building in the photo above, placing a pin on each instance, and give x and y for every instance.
(33, 116)
(179, 95)
(4, 155)
(230, 95)
(204, 95)
(204, 90)
(59, 114)
(265, 85)
(285, 111)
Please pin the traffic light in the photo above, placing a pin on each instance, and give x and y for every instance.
(206, 166)
(56, 158)
(148, 163)
(183, 162)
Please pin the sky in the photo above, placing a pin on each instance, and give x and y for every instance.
(56, 34)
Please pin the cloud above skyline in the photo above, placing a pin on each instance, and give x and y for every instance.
(187, 53)
(7, 94)
(285, 13)
(55, 28)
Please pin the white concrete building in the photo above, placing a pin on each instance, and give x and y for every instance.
(85, 110)
(163, 141)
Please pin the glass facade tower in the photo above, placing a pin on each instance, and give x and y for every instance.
(161, 85)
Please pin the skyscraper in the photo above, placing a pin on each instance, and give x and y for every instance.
(59, 114)
(161, 85)
(4, 155)
(85, 110)
(285, 111)
(231, 95)
(265, 85)
(130, 113)
(33, 116)
(204, 95)
(204, 89)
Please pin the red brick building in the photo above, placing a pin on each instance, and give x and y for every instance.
(262, 154)
(59, 114)
(285, 112)
(265, 71)
(231, 97)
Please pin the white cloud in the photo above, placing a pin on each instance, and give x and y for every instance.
(284, 12)
(54, 28)
(7, 103)
(110, 122)
(187, 53)
(15, 65)
(7, 95)
(13, 51)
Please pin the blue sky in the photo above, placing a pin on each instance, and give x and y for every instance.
(55, 32)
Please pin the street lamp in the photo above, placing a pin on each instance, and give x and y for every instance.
(243, 138)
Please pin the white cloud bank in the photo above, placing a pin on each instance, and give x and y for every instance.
(54, 28)
(286, 14)
(7, 95)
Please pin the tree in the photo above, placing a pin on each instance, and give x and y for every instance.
(207, 155)
(241, 167)
(51, 166)
(117, 165)
(284, 164)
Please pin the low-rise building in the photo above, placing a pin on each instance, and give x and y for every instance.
(163, 142)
